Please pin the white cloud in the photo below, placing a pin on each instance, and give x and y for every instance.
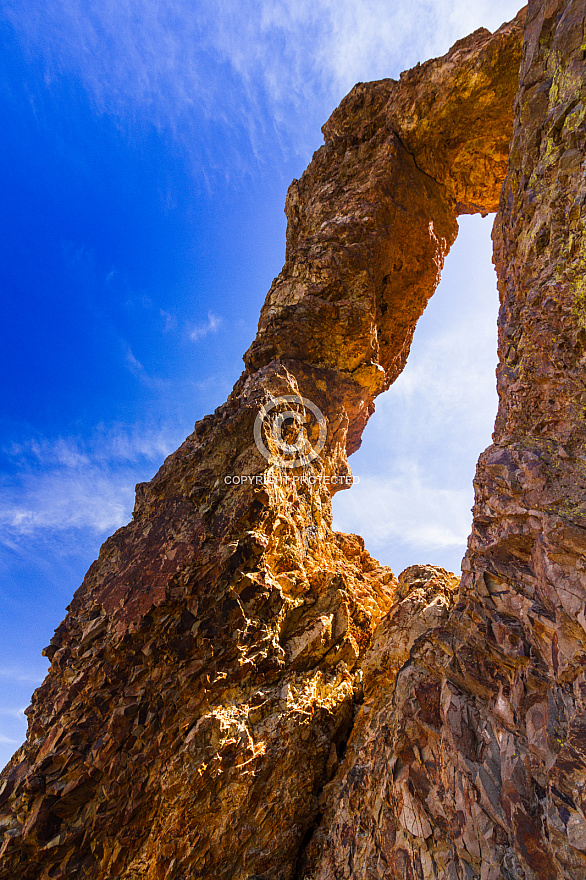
(70, 483)
(122, 443)
(420, 448)
(138, 370)
(21, 675)
(170, 320)
(59, 500)
(17, 714)
(14, 723)
(408, 507)
(446, 397)
(274, 68)
(212, 325)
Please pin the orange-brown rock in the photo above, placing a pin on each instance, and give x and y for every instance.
(351, 833)
(196, 718)
(369, 225)
(479, 766)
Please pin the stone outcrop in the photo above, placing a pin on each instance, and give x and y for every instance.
(354, 800)
(476, 767)
(239, 692)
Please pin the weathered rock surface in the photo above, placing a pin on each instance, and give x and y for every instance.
(476, 767)
(351, 835)
(200, 717)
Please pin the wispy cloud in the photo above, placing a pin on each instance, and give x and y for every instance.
(106, 443)
(138, 370)
(17, 714)
(25, 676)
(212, 325)
(13, 723)
(446, 396)
(273, 68)
(75, 483)
(420, 448)
(170, 321)
(64, 501)
(189, 330)
(408, 507)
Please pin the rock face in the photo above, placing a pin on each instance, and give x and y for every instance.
(476, 765)
(239, 692)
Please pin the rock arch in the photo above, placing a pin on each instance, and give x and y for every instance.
(196, 717)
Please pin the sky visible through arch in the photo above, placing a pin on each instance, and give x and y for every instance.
(146, 153)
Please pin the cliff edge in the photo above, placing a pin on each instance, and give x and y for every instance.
(240, 693)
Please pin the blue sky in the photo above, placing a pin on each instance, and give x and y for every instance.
(146, 153)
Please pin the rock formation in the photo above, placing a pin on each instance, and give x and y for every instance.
(238, 692)
(476, 765)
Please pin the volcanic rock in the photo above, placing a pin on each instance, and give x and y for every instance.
(476, 766)
(239, 692)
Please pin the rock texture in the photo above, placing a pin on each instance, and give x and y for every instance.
(201, 717)
(476, 766)
(351, 840)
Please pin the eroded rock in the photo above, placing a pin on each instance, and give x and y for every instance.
(483, 767)
(227, 698)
